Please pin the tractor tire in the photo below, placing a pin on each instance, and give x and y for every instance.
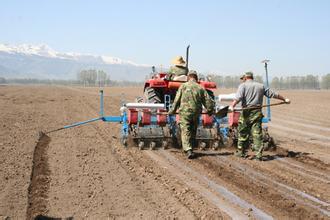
(151, 95)
(139, 99)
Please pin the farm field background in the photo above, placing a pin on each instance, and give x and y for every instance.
(90, 175)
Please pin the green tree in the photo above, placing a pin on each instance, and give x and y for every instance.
(325, 84)
(275, 83)
(101, 78)
(2, 80)
(312, 82)
(258, 78)
(229, 82)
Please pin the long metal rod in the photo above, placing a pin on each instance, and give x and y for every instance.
(146, 105)
(226, 97)
(73, 125)
(82, 122)
(268, 99)
(258, 107)
(101, 104)
(187, 56)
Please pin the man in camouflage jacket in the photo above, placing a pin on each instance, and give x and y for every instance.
(190, 99)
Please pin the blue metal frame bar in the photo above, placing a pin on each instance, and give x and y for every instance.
(124, 128)
(265, 120)
(167, 99)
(81, 123)
(112, 119)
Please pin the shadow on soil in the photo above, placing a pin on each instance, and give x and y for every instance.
(212, 154)
(291, 154)
(43, 217)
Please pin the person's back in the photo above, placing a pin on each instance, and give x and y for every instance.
(193, 98)
(190, 99)
(178, 70)
(251, 93)
(179, 67)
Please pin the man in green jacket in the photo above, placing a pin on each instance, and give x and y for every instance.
(179, 67)
(190, 99)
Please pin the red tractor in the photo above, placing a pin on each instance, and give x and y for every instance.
(161, 84)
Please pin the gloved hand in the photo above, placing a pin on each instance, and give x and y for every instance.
(287, 101)
(210, 113)
(122, 109)
(231, 108)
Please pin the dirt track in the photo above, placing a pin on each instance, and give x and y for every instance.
(91, 176)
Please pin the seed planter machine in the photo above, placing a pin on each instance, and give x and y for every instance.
(146, 124)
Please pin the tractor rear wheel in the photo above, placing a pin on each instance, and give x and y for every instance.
(151, 95)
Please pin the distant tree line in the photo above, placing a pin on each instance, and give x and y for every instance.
(27, 81)
(229, 81)
(301, 82)
(100, 78)
(288, 82)
(325, 83)
(32, 81)
(93, 77)
(3, 80)
(126, 83)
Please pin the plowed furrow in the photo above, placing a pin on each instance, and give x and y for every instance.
(288, 191)
(229, 198)
(323, 177)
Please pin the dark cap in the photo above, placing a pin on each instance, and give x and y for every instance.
(249, 74)
(192, 72)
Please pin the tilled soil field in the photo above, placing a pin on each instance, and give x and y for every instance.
(85, 173)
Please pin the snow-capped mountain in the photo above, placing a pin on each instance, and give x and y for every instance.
(41, 61)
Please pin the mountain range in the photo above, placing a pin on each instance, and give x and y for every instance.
(43, 62)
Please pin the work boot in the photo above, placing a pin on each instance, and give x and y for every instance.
(258, 157)
(240, 154)
(190, 154)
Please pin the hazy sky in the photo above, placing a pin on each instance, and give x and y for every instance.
(225, 36)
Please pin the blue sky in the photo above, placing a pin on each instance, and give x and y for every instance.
(226, 36)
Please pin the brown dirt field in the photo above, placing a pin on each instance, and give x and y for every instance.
(85, 173)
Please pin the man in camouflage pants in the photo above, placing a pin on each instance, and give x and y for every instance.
(251, 93)
(190, 99)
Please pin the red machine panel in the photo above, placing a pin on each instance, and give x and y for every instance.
(132, 116)
(208, 85)
(146, 117)
(233, 119)
(207, 120)
(177, 118)
(157, 83)
(161, 119)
